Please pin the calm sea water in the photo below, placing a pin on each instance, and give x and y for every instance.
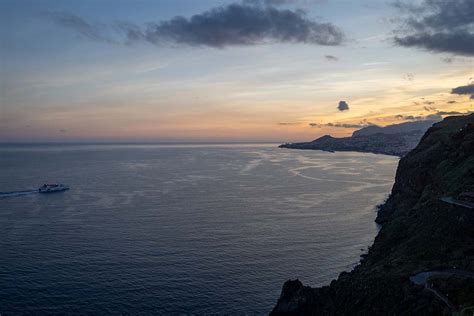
(180, 229)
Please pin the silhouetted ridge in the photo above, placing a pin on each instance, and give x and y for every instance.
(396, 140)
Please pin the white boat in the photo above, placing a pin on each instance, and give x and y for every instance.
(50, 188)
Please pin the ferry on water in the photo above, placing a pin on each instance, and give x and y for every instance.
(50, 188)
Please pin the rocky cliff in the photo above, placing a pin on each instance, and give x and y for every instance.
(420, 233)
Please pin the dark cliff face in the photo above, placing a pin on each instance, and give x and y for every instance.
(419, 233)
(441, 165)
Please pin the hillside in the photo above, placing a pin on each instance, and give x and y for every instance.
(396, 140)
(420, 233)
(407, 127)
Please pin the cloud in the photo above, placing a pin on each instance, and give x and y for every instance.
(240, 24)
(376, 63)
(269, 2)
(429, 117)
(331, 58)
(409, 76)
(441, 26)
(462, 43)
(461, 90)
(281, 2)
(233, 24)
(288, 123)
(435, 116)
(448, 60)
(132, 32)
(78, 24)
(343, 106)
(450, 113)
(346, 125)
(341, 125)
(451, 102)
(410, 117)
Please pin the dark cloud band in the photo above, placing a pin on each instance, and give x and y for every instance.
(460, 43)
(445, 26)
(464, 90)
(239, 24)
(234, 24)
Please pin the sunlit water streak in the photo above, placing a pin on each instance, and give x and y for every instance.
(180, 229)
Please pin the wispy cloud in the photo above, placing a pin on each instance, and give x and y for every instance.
(451, 113)
(331, 58)
(409, 77)
(71, 21)
(341, 125)
(376, 63)
(282, 2)
(288, 123)
(430, 117)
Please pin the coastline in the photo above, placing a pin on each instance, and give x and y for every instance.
(418, 233)
(399, 155)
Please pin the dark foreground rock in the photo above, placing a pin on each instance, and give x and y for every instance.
(419, 233)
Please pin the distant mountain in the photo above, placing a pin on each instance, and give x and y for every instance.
(396, 140)
(406, 127)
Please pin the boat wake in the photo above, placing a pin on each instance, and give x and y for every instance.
(17, 193)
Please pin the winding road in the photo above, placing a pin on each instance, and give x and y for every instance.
(453, 201)
(422, 278)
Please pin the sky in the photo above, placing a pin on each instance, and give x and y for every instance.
(229, 71)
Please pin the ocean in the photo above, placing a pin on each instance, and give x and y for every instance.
(179, 229)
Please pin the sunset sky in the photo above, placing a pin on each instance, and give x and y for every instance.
(269, 70)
